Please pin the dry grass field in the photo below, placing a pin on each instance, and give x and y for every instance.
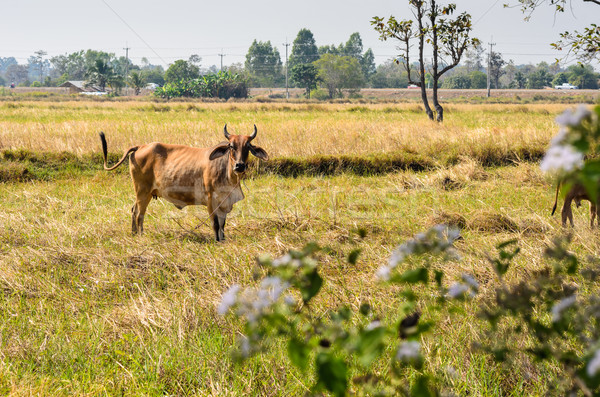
(88, 309)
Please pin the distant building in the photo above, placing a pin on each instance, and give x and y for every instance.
(78, 87)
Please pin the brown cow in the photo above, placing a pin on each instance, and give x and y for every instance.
(186, 175)
(577, 192)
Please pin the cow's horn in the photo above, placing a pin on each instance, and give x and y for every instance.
(225, 132)
(254, 133)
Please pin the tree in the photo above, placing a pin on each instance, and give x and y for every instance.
(17, 74)
(338, 73)
(520, 80)
(474, 58)
(263, 63)
(540, 78)
(138, 81)
(328, 49)
(39, 58)
(304, 49)
(459, 81)
(155, 76)
(367, 64)
(496, 64)
(389, 75)
(305, 75)
(100, 74)
(508, 75)
(73, 65)
(583, 76)
(6, 62)
(584, 45)
(353, 47)
(478, 79)
(194, 59)
(449, 39)
(560, 78)
(181, 70)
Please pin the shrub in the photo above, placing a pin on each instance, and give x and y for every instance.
(223, 85)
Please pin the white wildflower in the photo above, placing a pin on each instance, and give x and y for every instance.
(593, 366)
(470, 280)
(274, 286)
(245, 347)
(383, 273)
(570, 118)
(290, 301)
(559, 139)
(457, 290)
(561, 306)
(373, 324)
(284, 260)
(562, 158)
(408, 351)
(453, 234)
(228, 299)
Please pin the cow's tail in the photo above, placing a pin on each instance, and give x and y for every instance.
(105, 153)
(556, 198)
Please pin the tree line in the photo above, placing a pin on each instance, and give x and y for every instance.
(327, 71)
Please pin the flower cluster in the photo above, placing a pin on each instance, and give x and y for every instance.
(468, 287)
(253, 303)
(561, 306)
(593, 366)
(562, 157)
(409, 352)
(437, 240)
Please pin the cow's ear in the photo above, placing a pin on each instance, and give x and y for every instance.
(259, 152)
(219, 151)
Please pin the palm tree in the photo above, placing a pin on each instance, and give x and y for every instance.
(100, 73)
(137, 81)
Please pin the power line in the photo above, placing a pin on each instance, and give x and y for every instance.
(136, 33)
(485, 13)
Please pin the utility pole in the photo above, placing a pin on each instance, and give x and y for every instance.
(40, 56)
(287, 89)
(126, 62)
(221, 55)
(489, 68)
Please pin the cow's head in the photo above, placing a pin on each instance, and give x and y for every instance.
(238, 147)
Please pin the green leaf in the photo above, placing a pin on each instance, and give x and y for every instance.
(310, 285)
(353, 256)
(332, 374)
(365, 309)
(421, 387)
(299, 353)
(413, 276)
(370, 345)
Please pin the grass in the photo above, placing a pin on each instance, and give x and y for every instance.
(85, 308)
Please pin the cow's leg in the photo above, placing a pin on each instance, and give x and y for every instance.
(212, 215)
(216, 227)
(142, 203)
(222, 219)
(567, 211)
(134, 211)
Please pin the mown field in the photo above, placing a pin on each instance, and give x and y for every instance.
(86, 308)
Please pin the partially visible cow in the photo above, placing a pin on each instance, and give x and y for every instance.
(186, 175)
(577, 192)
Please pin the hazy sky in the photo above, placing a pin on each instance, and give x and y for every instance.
(164, 31)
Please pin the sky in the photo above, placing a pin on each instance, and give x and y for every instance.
(164, 31)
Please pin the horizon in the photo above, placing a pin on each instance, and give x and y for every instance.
(163, 44)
